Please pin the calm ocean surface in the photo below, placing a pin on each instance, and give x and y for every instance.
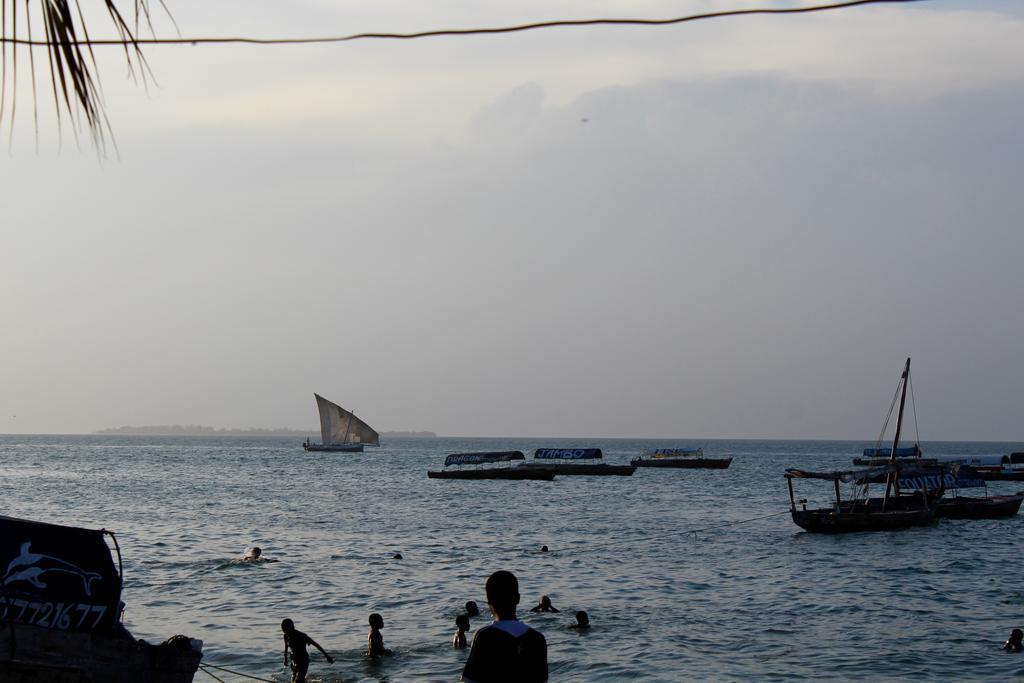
(758, 600)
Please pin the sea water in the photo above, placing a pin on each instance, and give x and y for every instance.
(686, 574)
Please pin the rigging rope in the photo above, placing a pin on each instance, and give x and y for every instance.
(237, 673)
(203, 669)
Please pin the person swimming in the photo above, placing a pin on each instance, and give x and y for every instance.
(459, 639)
(471, 609)
(1015, 643)
(375, 641)
(582, 621)
(296, 641)
(545, 605)
(543, 548)
(253, 554)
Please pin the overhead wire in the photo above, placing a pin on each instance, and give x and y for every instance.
(434, 33)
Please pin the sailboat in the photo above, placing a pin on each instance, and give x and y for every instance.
(340, 430)
(898, 509)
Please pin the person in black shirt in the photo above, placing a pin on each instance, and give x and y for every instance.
(1015, 643)
(296, 641)
(506, 650)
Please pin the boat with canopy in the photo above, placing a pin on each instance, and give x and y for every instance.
(577, 461)
(340, 430)
(60, 612)
(974, 507)
(912, 504)
(680, 457)
(458, 460)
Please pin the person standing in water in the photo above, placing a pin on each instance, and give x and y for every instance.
(461, 623)
(507, 649)
(296, 641)
(375, 641)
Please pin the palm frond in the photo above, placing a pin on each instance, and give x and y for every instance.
(73, 71)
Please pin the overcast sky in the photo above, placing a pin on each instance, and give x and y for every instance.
(733, 228)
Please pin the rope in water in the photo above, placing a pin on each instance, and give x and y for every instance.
(237, 673)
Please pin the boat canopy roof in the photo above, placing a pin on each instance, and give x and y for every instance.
(672, 452)
(68, 568)
(905, 452)
(844, 476)
(481, 458)
(568, 454)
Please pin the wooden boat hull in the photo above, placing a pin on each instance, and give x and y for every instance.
(995, 507)
(688, 463)
(593, 469)
(44, 654)
(334, 448)
(514, 473)
(1012, 475)
(828, 521)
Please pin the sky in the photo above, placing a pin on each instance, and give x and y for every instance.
(737, 228)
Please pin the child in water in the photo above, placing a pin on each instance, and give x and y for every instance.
(1015, 643)
(375, 641)
(545, 605)
(459, 640)
(582, 621)
(296, 641)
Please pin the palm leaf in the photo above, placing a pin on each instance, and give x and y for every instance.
(74, 76)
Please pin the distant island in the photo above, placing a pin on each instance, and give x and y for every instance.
(202, 430)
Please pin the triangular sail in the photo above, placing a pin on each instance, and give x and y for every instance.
(339, 426)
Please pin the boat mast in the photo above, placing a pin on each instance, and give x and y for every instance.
(889, 479)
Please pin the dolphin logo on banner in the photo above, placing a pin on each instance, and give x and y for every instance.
(31, 567)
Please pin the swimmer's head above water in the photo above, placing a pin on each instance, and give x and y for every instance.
(1015, 643)
(462, 622)
(582, 620)
(471, 609)
(376, 621)
(287, 625)
(253, 553)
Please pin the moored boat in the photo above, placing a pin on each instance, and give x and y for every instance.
(60, 617)
(340, 430)
(909, 501)
(459, 459)
(572, 461)
(680, 457)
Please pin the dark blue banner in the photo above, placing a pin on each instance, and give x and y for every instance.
(57, 577)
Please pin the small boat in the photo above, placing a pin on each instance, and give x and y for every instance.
(901, 506)
(340, 430)
(974, 507)
(568, 461)
(60, 620)
(873, 457)
(680, 457)
(460, 459)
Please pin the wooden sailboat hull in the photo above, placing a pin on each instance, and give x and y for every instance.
(995, 507)
(688, 463)
(334, 448)
(515, 473)
(592, 469)
(32, 654)
(828, 521)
